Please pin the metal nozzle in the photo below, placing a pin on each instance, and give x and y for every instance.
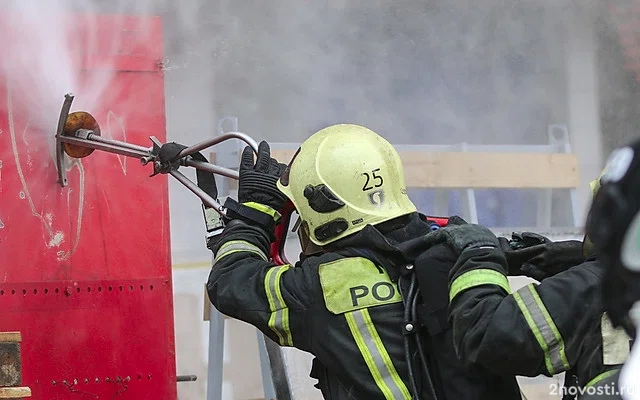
(78, 135)
(80, 124)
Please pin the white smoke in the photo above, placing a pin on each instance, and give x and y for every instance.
(47, 44)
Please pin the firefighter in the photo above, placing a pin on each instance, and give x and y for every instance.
(613, 224)
(348, 301)
(557, 325)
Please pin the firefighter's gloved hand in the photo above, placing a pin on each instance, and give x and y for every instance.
(463, 237)
(538, 257)
(257, 184)
(521, 248)
(521, 240)
(456, 220)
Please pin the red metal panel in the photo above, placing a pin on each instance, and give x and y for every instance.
(99, 338)
(85, 270)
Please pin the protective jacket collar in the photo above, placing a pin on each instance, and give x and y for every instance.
(391, 245)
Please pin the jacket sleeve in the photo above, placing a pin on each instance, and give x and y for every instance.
(538, 329)
(244, 285)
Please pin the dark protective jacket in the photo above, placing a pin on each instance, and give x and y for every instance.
(344, 308)
(606, 387)
(541, 329)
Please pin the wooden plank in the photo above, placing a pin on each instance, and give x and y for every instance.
(15, 392)
(457, 170)
(491, 170)
(10, 337)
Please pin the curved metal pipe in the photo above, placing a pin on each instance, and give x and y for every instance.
(189, 184)
(209, 167)
(210, 142)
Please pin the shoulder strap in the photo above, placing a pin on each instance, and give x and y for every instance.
(432, 312)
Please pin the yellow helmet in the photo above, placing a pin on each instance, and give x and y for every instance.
(343, 178)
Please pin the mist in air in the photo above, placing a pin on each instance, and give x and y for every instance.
(417, 72)
(436, 72)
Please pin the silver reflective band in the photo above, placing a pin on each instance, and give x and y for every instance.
(376, 356)
(235, 246)
(279, 319)
(543, 328)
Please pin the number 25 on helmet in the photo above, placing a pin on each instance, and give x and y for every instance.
(342, 178)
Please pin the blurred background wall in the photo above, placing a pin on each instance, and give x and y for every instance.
(438, 72)
(495, 72)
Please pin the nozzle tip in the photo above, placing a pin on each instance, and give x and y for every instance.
(79, 120)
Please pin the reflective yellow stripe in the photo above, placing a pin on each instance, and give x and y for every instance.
(600, 377)
(279, 320)
(478, 277)
(235, 246)
(543, 328)
(264, 209)
(375, 355)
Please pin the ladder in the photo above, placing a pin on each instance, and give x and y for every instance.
(275, 381)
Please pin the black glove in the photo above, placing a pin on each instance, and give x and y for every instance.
(538, 257)
(258, 182)
(463, 237)
(456, 220)
(168, 157)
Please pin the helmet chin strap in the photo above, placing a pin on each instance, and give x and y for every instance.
(307, 247)
(629, 382)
